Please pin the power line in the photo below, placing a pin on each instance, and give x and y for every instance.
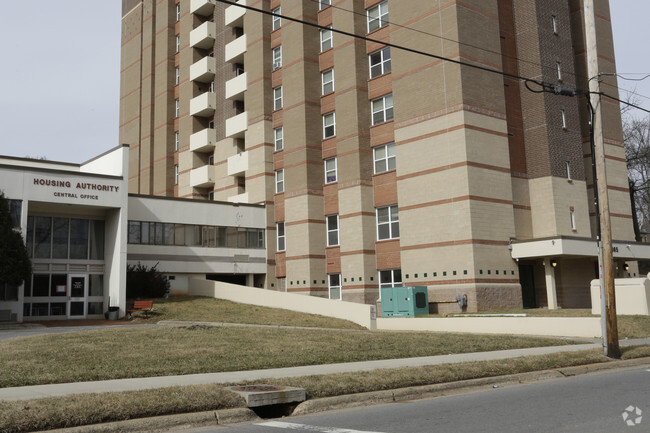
(545, 86)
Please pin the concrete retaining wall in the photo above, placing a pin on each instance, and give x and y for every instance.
(588, 327)
(360, 314)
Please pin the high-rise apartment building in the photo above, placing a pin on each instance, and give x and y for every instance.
(379, 166)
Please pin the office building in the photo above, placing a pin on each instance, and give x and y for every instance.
(378, 166)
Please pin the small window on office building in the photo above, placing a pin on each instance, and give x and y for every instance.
(279, 181)
(278, 138)
(390, 278)
(572, 217)
(568, 170)
(277, 98)
(334, 286)
(177, 107)
(332, 230)
(277, 57)
(177, 140)
(176, 175)
(554, 24)
(177, 75)
(377, 16)
(178, 12)
(329, 125)
(330, 170)
(178, 43)
(322, 4)
(15, 208)
(382, 109)
(379, 62)
(384, 157)
(327, 79)
(387, 222)
(277, 21)
(563, 119)
(558, 70)
(325, 39)
(281, 237)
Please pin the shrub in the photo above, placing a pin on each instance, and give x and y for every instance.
(144, 282)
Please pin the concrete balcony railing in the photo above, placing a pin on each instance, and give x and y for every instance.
(203, 105)
(203, 36)
(238, 164)
(204, 140)
(236, 87)
(202, 7)
(234, 51)
(235, 15)
(236, 126)
(240, 198)
(203, 71)
(202, 177)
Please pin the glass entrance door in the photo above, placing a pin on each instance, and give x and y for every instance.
(78, 284)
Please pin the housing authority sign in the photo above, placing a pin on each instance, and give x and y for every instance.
(83, 190)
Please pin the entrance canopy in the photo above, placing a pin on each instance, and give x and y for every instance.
(576, 247)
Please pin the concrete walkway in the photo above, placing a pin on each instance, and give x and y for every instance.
(54, 390)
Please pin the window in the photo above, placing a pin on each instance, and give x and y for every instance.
(279, 181)
(377, 16)
(387, 223)
(554, 24)
(177, 107)
(176, 174)
(330, 170)
(332, 230)
(178, 43)
(390, 278)
(177, 140)
(334, 286)
(15, 207)
(327, 78)
(277, 98)
(384, 158)
(322, 4)
(178, 12)
(177, 75)
(277, 21)
(572, 215)
(281, 237)
(568, 170)
(563, 119)
(379, 62)
(277, 57)
(325, 39)
(558, 71)
(382, 109)
(211, 196)
(279, 141)
(329, 125)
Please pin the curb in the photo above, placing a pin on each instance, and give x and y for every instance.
(241, 415)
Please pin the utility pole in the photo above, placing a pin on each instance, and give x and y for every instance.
(607, 290)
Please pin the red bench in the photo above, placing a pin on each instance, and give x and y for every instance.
(145, 306)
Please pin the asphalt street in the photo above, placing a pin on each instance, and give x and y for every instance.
(615, 401)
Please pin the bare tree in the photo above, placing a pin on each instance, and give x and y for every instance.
(636, 136)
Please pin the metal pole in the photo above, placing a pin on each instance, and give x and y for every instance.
(610, 340)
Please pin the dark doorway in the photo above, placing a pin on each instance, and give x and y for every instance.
(228, 278)
(527, 280)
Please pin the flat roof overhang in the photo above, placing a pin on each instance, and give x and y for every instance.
(566, 246)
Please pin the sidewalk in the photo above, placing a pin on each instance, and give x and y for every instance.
(39, 391)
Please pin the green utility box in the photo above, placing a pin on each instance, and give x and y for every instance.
(404, 301)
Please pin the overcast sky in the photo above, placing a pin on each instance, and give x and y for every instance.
(59, 82)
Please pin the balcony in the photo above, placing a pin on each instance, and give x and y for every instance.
(202, 7)
(235, 15)
(203, 105)
(202, 177)
(234, 51)
(240, 198)
(203, 36)
(203, 71)
(236, 126)
(238, 164)
(203, 141)
(236, 87)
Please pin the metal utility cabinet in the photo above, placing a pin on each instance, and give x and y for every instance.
(404, 301)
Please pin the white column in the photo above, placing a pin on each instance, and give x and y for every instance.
(551, 292)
